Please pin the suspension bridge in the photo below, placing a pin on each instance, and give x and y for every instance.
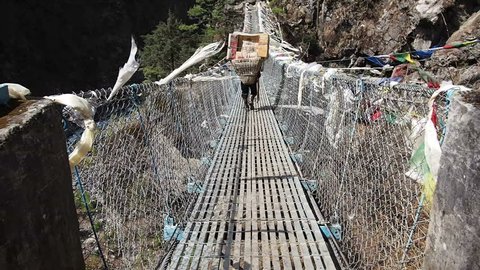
(253, 213)
(318, 176)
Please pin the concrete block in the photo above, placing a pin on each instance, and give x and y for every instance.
(38, 222)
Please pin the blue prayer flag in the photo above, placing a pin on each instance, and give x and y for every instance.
(4, 97)
(376, 61)
(422, 54)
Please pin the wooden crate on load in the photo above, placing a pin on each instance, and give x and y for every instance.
(236, 41)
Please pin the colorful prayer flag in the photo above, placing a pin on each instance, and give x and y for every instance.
(460, 44)
(422, 54)
(428, 78)
(376, 61)
(402, 57)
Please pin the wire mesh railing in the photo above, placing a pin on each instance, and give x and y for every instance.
(354, 140)
(357, 142)
(152, 149)
(360, 145)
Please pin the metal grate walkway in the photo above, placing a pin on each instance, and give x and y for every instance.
(253, 213)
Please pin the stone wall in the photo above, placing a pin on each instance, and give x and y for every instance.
(38, 223)
(454, 233)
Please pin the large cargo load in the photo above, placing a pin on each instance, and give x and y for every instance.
(236, 43)
(247, 53)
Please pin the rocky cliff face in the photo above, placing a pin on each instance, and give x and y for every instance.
(460, 66)
(347, 28)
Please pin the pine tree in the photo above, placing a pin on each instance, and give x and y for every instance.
(167, 47)
(209, 16)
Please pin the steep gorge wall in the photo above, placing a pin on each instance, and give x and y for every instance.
(350, 28)
(460, 66)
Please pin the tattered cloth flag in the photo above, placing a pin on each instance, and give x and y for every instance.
(201, 54)
(402, 57)
(460, 44)
(84, 111)
(4, 97)
(126, 72)
(428, 78)
(422, 54)
(400, 72)
(418, 55)
(376, 61)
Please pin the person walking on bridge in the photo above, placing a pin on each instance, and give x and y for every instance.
(248, 65)
(249, 85)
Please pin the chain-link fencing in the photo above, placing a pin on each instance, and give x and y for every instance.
(358, 143)
(152, 149)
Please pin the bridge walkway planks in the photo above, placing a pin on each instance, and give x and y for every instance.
(253, 213)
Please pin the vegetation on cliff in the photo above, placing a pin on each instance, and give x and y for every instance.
(174, 41)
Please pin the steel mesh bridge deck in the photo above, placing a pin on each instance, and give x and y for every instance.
(253, 213)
